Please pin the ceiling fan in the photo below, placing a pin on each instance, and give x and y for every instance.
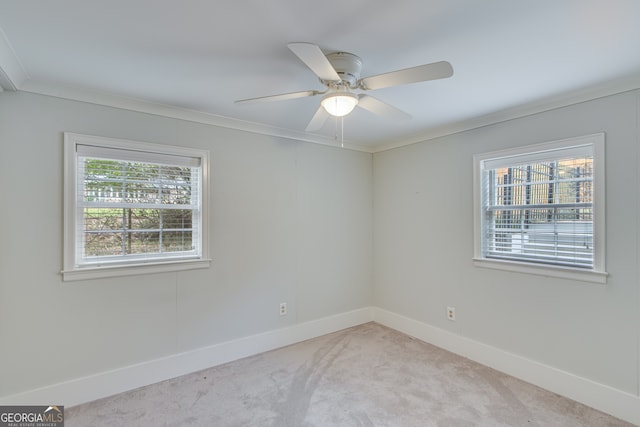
(340, 73)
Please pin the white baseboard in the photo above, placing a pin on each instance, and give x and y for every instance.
(604, 398)
(103, 384)
(81, 390)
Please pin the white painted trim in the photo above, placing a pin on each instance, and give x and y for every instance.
(71, 270)
(535, 152)
(103, 384)
(81, 390)
(621, 85)
(599, 396)
(89, 273)
(131, 104)
(12, 73)
(561, 272)
(636, 207)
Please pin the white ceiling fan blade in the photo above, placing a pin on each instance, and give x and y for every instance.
(380, 108)
(313, 58)
(318, 119)
(421, 73)
(280, 97)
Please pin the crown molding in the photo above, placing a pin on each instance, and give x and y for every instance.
(12, 73)
(604, 89)
(132, 104)
(625, 84)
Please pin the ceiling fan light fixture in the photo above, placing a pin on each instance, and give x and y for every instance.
(339, 104)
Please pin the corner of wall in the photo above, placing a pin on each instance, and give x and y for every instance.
(599, 396)
(93, 387)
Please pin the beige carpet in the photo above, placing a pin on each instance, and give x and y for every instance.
(364, 376)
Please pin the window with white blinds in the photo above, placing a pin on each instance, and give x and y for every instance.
(537, 205)
(132, 204)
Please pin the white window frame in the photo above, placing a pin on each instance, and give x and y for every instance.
(597, 274)
(72, 269)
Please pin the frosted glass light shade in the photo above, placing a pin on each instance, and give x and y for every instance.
(339, 104)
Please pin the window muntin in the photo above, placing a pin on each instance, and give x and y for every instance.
(538, 205)
(131, 203)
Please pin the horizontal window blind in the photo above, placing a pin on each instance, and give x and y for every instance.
(110, 153)
(538, 207)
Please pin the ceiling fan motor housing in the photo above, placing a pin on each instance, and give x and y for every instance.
(348, 67)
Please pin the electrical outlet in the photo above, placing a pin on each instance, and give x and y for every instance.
(283, 309)
(451, 313)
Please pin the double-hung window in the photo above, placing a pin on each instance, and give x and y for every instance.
(133, 207)
(540, 209)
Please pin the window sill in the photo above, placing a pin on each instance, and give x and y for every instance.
(87, 273)
(544, 270)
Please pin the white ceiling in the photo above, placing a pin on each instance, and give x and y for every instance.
(199, 56)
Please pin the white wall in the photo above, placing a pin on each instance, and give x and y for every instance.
(290, 221)
(423, 248)
(327, 230)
